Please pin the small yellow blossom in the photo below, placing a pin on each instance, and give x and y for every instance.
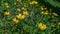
(20, 16)
(7, 13)
(18, 9)
(42, 26)
(14, 3)
(15, 20)
(7, 6)
(58, 23)
(24, 8)
(42, 8)
(45, 8)
(42, 12)
(6, 3)
(55, 14)
(46, 12)
(33, 2)
(25, 13)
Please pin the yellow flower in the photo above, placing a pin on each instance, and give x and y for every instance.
(7, 13)
(7, 6)
(46, 12)
(18, 9)
(15, 20)
(36, 2)
(42, 12)
(14, 3)
(42, 26)
(55, 14)
(20, 16)
(58, 23)
(45, 8)
(6, 3)
(24, 8)
(25, 13)
(33, 2)
(42, 8)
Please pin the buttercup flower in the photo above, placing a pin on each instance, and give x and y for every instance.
(42, 12)
(58, 23)
(24, 8)
(42, 26)
(25, 13)
(20, 16)
(46, 12)
(7, 13)
(15, 20)
(7, 6)
(14, 3)
(42, 8)
(6, 3)
(33, 2)
(55, 14)
(18, 9)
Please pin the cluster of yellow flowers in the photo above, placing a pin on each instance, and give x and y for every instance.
(34, 2)
(44, 10)
(42, 26)
(19, 16)
(6, 5)
(44, 13)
